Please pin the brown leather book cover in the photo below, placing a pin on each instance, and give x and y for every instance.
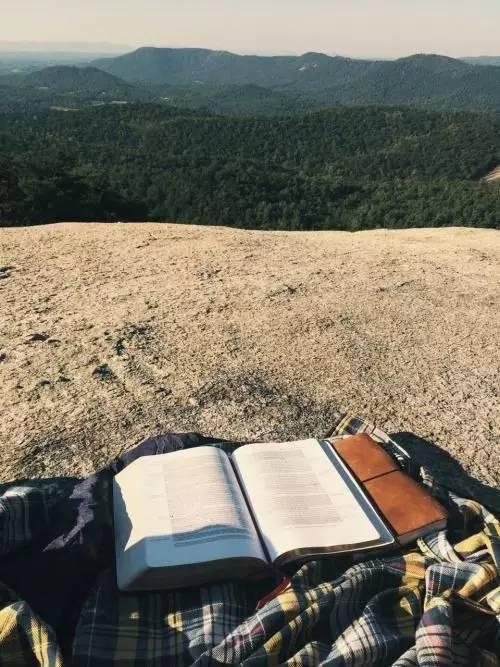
(408, 508)
(364, 456)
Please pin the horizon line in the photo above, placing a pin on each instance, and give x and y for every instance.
(42, 47)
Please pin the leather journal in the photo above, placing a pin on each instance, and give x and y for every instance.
(408, 509)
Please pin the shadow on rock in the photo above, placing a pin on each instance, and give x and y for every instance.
(447, 471)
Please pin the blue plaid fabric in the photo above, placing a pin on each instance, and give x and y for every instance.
(437, 604)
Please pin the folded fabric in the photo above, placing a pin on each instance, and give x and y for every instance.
(437, 604)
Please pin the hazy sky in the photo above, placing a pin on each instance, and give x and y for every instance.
(348, 27)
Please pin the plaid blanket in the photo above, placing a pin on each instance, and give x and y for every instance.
(436, 604)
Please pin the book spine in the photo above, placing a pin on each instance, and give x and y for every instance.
(249, 505)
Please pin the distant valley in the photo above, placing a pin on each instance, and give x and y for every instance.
(292, 142)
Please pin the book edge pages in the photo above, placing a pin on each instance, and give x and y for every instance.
(131, 560)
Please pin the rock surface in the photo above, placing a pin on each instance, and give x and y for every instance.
(113, 332)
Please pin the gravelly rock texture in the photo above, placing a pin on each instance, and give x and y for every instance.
(113, 332)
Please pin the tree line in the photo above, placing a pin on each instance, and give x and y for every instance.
(344, 168)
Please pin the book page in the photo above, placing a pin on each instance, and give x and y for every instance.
(189, 507)
(302, 498)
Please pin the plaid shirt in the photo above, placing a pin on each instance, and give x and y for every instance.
(435, 605)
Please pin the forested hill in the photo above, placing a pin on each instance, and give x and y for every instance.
(430, 81)
(203, 66)
(75, 88)
(65, 87)
(64, 78)
(351, 168)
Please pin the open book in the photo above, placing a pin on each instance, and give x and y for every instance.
(196, 516)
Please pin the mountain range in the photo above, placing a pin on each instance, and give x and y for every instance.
(423, 80)
(483, 60)
(223, 82)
